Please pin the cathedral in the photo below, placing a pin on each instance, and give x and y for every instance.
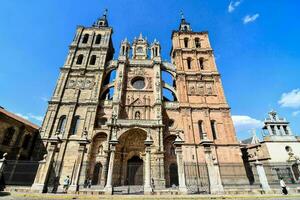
(119, 123)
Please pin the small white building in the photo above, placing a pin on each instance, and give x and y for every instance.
(279, 151)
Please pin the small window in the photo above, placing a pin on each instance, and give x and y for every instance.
(85, 38)
(200, 126)
(213, 128)
(189, 63)
(79, 59)
(171, 122)
(102, 121)
(75, 124)
(201, 63)
(197, 43)
(93, 60)
(98, 39)
(61, 124)
(186, 42)
(288, 149)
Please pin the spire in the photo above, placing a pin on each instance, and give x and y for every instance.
(102, 21)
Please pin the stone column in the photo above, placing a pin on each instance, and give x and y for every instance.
(103, 173)
(270, 130)
(277, 131)
(147, 183)
(180, 167)
(2, 164)
(282, 130)
(44, 169)
(108, 187)
(262, 176)
(213, 169)
(75, 180)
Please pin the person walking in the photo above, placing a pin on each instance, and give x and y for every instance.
(283, 186)
(66, 184)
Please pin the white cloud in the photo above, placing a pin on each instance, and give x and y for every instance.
(250, 18)
(296, 113)
(36, 117)
(23, 116)
(290, 99)
(44, 99)
(31, 116)
(233, 5)
(246, 123)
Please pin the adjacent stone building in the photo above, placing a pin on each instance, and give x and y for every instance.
(278, 152)
(119, 123)
(18, 137)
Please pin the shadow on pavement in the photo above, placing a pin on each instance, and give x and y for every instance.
(2, 194)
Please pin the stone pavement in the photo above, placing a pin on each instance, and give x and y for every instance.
(30, 196)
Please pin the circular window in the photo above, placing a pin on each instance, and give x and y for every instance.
(138, 83)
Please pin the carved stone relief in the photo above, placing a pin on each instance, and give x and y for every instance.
(81, 83)
(200, 88)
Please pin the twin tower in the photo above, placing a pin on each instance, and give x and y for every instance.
(139, 121)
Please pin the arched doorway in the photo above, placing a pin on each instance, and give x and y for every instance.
(173, 172)
(128, 164)
(98, 158)
(135, 171)
(97, 174)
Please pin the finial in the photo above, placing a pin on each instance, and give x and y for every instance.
(105, 13)
(141, 36)
(182, 16)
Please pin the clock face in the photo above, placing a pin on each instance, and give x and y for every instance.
(138, 83)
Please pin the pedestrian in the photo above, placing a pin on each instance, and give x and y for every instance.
(66, 184)
(283, 186)
(89, 183)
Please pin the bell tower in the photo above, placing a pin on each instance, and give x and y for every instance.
(206, 118)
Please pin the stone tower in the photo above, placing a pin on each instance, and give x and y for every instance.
(204, 114)
(72, 110)
(122, 122)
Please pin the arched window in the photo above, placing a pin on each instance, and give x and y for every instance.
(201, 63)
(98, 39)
(93, 60)
(75, 124)
(197, 43)
(9, 134)
(189, 63)
(79, 59)
(26, 141)
(213, 125)
(186, 42)
(85, 38)
(61, 124)
(200, 126)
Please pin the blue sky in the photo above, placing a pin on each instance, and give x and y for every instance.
(256, 45)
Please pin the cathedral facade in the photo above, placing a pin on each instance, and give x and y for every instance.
(116, 123)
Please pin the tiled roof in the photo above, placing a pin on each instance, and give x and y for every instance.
(18, 118)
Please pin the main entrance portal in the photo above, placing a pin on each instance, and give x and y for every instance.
(129, 158)
(135, 171)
